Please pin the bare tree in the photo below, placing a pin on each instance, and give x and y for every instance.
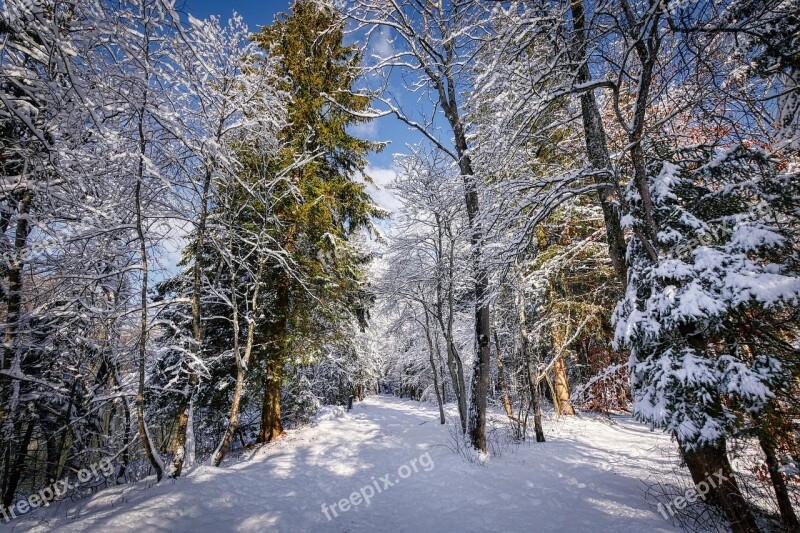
(433, 46)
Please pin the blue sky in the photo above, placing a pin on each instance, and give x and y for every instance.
(257, 13)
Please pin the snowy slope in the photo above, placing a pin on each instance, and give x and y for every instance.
(587, 477)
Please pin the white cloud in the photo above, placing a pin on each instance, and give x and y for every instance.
(381, 44)
(381, 192)
(382, 176)
(176, 233)
(366, 130)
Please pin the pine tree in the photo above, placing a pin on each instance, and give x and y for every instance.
(330, 206)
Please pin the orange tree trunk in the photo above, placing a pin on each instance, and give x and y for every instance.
(562, 388)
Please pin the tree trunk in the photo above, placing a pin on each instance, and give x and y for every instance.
(788, 517)
(10, 355)
(233, 420)
(597, 149)
(562, 388)
(709, 464)
(536, 404)
(143, 433)
(184, 411)
(271, 427)
(442, 379)
(454, 364)
(533, 372)
(183, 423)
(433, 368)
(13, 310)
(501, 379)
(479, 386)
(126, 438)
(457, 377)
(19, 466)
(242, 364)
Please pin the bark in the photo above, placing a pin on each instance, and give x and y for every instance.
(562, 388)
(442, 379)
(704, 463)
(533, 373)
(647, 49)
(433, 368)
(479, 386)
(271, 426)
(197, 331)
(454, 363)
(126, 437)
(14, 305)
(233, 419)
(501, 380)
(536, 402)
(788, 517)
(243, 362)
(179, 450)
(19, 466)
(13, 302)
(454, 360)
(597, 149)
(143, 433)
(456, 367)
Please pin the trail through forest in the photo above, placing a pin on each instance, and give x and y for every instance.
(591, 475)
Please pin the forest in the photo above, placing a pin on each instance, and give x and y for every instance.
(599, 216)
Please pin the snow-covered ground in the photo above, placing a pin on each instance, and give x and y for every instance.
(589, 476)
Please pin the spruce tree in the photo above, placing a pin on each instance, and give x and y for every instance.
(328, 207)
(700, 365)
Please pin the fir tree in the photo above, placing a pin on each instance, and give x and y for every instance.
(317, 223)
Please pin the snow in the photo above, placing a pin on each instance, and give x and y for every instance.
(749, 237)
(590, 476)
(663, 184)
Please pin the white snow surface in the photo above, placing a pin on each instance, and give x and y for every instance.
(590, 476)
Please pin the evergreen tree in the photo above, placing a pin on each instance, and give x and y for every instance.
(699, 369)
(316, 225)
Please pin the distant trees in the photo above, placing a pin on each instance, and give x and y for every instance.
(432, 46)
(425, 261)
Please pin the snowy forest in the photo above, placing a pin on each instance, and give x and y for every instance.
(597, 220)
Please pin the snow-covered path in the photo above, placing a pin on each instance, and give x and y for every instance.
(587, 477)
